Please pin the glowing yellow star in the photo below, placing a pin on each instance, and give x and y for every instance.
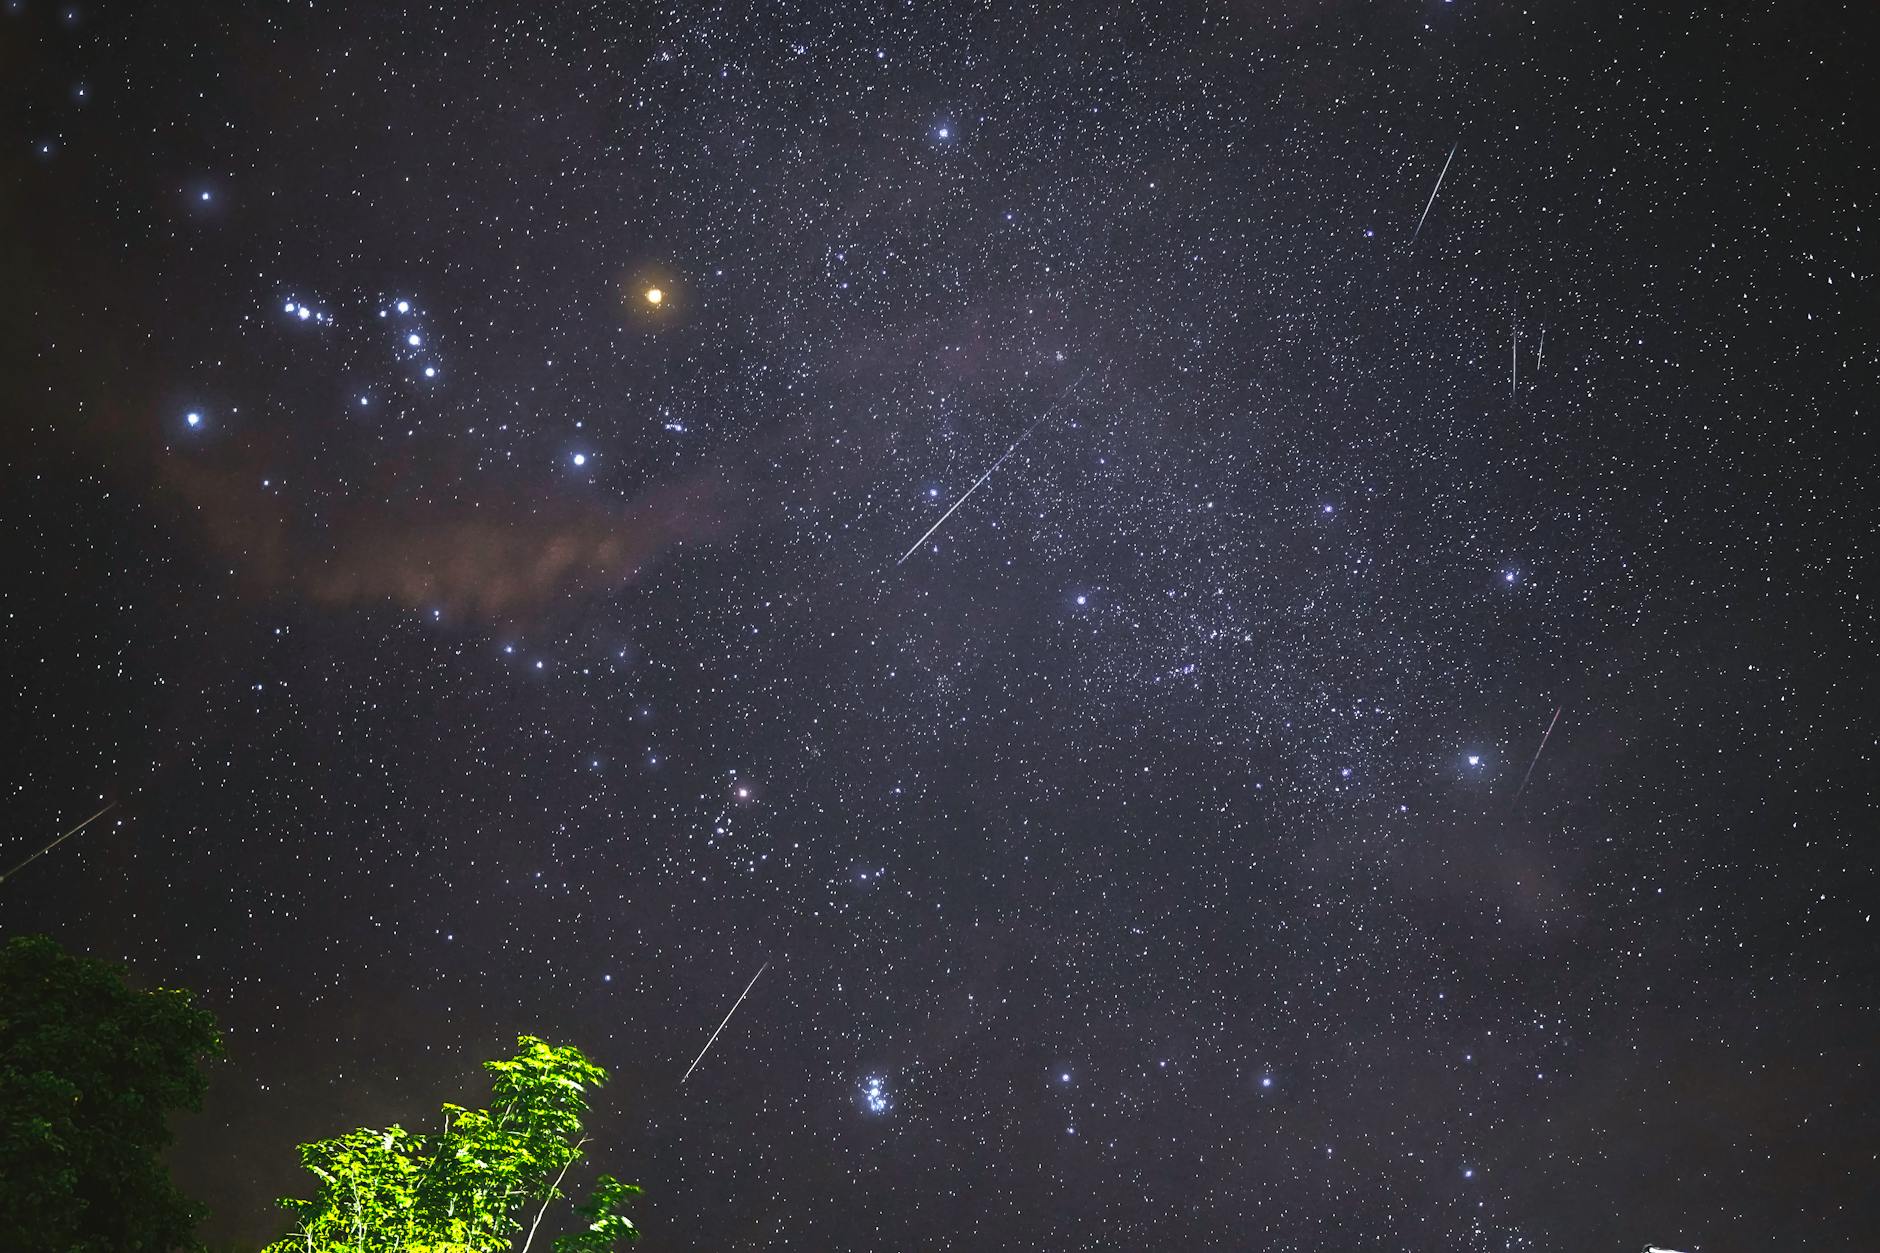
(654, 295)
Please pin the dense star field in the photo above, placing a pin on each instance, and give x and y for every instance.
(1383, 760)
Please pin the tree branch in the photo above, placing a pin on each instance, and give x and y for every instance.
(554, 1190)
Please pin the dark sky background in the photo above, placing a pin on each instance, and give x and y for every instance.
(526, 656)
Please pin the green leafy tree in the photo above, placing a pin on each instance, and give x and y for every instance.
(604, 1226)
(470, 1187)
(90, 1070)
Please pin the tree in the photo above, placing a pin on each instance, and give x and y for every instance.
(468, 1188)
(90, 1070)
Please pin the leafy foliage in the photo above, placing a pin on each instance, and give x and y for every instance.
(465, 1189)
(90, 1069)
(604, 1226)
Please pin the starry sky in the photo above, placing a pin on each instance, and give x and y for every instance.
(1380, 756)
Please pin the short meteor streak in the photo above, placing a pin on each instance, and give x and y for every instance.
(62, 839)
(721, 1026)
(1433, 191)
(1537, 756)
(980, 482)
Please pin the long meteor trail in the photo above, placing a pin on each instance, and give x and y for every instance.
(969, 491)
(62, 839)
(980, 482)
(1537, 756)
(1433, 191)
(721, 1026)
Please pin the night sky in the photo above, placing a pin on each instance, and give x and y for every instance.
(475, 644)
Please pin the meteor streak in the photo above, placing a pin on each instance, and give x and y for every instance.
(978, 483)
(62, 839)
(1434, 190)
(721, 1026)
(1537, 755)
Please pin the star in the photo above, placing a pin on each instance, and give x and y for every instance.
(654, 296)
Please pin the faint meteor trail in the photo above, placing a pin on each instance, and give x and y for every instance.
(1540, 353)
(1434, 190)
(969, 491)
(62, 839)
(1049, 410)
(721, 1026)
(1537, 755)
